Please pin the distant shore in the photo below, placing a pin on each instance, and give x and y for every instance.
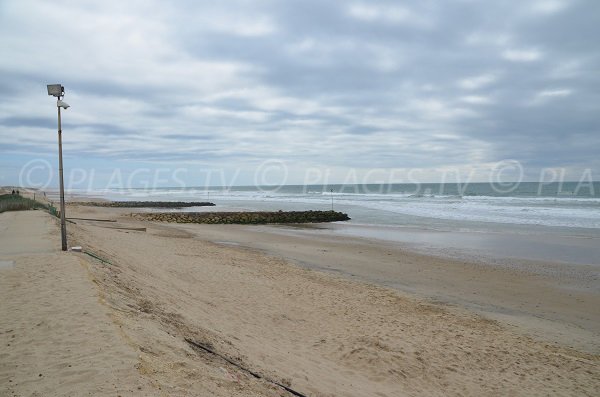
(145, 204)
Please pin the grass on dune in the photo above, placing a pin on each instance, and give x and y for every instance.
(15, 202)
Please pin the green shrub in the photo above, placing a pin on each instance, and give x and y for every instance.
(15, 202)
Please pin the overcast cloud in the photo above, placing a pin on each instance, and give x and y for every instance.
(335, 85)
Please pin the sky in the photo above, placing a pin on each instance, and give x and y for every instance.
(299, 91)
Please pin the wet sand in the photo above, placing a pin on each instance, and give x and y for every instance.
(498, 244)
(550, 301)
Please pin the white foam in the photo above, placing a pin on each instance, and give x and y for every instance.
(547, 211)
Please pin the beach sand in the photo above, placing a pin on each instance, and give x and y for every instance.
(318, 332)
(58, 336)
(555, 302)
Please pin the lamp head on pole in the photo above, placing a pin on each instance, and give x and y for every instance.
(56, 90)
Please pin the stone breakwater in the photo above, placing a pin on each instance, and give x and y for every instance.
(147, 204)
(244, 217)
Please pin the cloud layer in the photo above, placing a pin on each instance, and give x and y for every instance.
(340, 84)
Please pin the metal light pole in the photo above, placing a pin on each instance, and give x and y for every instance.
(331, 200)
(58, 91)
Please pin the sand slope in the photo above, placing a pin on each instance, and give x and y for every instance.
(323, 335)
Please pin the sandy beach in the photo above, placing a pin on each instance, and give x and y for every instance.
(300, 198)
(58, 334)
(319, 314)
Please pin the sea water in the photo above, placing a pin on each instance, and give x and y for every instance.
(569, 204)
(547, 222)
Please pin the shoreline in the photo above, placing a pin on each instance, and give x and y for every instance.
(491, 247)
(491, 242)
(508, 293)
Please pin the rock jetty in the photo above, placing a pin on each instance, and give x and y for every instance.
(244, 217)
(147, 204)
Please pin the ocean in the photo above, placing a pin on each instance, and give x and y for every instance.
(551, 222)
(475, 205)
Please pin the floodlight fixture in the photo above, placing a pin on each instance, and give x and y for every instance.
(56, 90)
